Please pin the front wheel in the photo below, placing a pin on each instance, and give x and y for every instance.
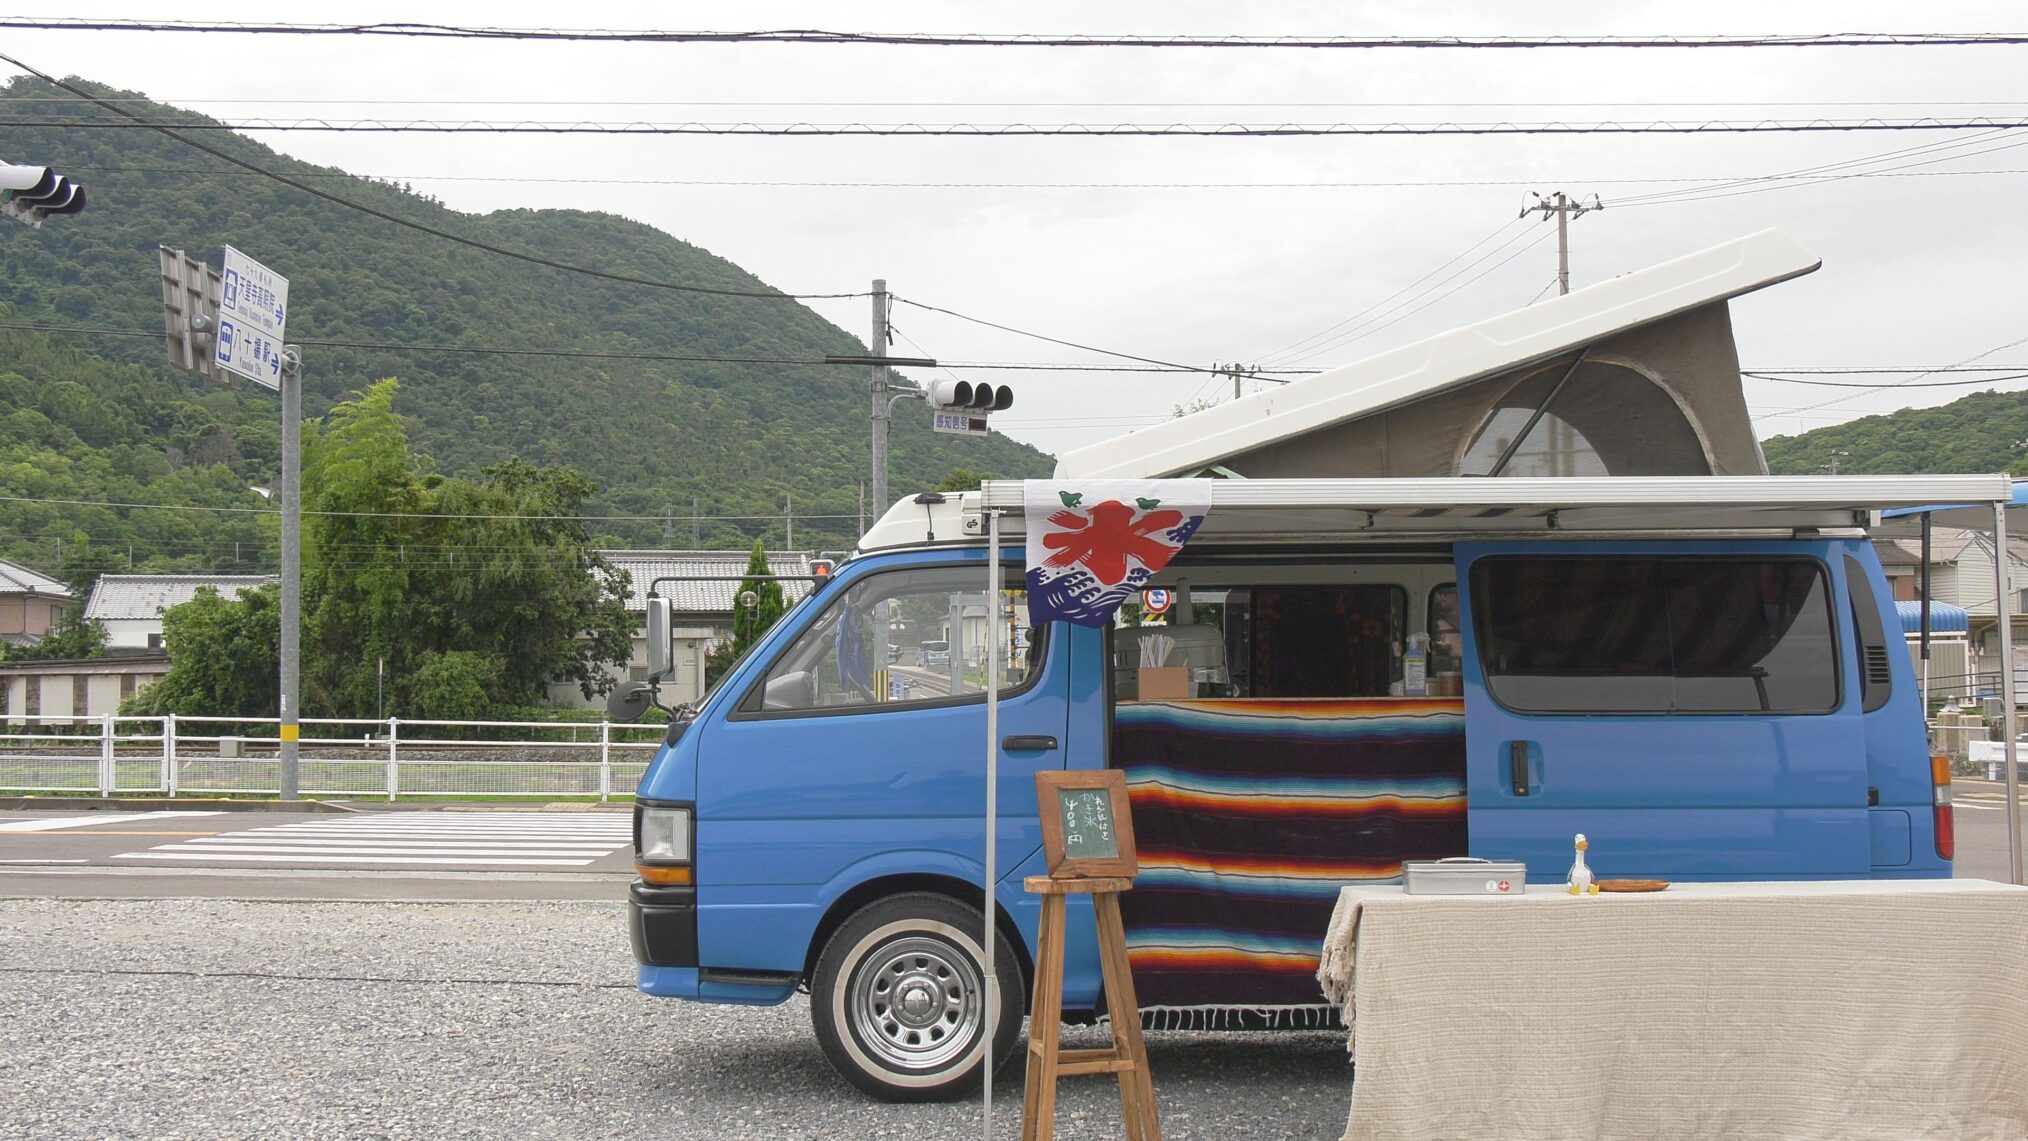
(899, 998)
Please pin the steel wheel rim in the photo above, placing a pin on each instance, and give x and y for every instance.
(917, 1003)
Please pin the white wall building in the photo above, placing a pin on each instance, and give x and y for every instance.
(131, 605)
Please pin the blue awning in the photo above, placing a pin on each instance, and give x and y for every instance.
(1943, 618)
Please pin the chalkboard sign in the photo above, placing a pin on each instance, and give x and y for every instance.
(1087, 826)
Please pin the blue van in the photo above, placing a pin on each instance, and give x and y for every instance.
(1706, 696)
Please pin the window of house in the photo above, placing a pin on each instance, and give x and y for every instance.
(1276, 641)
(154, 641)
(1656, 635)
(127, 684)
(867, 649)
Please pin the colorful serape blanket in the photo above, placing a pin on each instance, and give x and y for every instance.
(1249, 815)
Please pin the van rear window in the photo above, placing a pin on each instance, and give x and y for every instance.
(1655, 635)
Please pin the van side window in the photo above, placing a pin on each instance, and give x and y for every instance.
(903, 638)
(1876, 676)
(1271, 642)
(1656, 635)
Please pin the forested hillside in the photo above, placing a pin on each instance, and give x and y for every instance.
(103, 417)
(1983, 432)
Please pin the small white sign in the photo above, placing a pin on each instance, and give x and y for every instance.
(253, 312)
(958, 423)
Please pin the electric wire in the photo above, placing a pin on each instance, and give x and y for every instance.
(1028, 39)
(297, 184)
(1226, 130)
(740, 183)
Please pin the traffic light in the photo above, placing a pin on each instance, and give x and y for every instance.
(964, 396)
(33, 193)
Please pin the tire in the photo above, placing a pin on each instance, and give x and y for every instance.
(897, 1002)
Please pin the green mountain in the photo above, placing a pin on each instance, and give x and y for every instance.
(1983, 432)
(655, 434)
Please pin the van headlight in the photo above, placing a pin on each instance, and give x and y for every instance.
(662, 843)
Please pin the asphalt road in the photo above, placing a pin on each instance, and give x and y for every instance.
(228, 1018)
(384, 854)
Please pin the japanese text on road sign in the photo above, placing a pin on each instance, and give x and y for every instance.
(253, 314)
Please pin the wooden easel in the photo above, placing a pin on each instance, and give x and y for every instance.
(1127, 1059)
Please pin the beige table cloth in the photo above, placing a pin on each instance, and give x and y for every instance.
(1767, 1010)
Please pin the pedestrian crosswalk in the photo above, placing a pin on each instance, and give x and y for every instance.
(419, 839)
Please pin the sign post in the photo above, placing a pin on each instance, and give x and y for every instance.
(1088, 846)
(234, 322)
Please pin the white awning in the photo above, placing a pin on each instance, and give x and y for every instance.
(1282, 510)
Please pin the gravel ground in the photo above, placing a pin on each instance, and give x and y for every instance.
(216, 1018)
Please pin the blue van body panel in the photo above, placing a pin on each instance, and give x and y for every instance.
(1714, 797)
(795, 811)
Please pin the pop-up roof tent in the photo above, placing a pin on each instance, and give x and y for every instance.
(1637, 375)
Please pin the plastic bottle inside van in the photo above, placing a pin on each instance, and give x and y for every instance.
(1415, 667)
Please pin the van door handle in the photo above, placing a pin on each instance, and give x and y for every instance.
(1517, 761)
(1027, 744)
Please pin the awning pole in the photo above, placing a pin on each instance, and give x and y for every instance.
(987, 939)
(1927, 519)
(2005, 610)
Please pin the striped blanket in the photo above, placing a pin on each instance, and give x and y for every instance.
(1249, 815)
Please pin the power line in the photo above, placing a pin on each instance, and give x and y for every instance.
(144, 101)
(984, 39)
(1905, 384)
(1225, 130)
(1051, 340)
(1878, 387)
(615, 354)
(410, 514)
(741, 183)
(137, 121)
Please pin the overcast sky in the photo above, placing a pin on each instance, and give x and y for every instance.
(1921, 268)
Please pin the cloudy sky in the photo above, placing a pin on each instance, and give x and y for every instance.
(1147, 246)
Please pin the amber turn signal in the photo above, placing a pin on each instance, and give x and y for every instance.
(663, 877)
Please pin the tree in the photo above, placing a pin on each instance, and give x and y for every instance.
(478, 593)
(74, 636)
(224, 657)
(962, 479)
(748, 622)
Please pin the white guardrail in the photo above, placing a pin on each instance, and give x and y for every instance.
(337, 756)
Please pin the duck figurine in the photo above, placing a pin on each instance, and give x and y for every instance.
(1581, 881)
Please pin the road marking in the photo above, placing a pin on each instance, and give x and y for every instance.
(43, 863)
(92, 821)
(129, 832)
(1960, 804)
(349, 859)
(480, 839)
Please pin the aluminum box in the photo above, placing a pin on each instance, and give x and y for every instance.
(1464, 875)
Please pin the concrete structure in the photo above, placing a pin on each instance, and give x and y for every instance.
(59, 693)
(131, 605)
(31, 604)
(701, 618)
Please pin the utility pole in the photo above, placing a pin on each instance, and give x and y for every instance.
(881, 411)
(292, 564)
(1565, 208)
(789, 520)
(696, 525)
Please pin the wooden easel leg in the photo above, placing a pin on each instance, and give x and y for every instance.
(1137, 1086)
(1045, 1026)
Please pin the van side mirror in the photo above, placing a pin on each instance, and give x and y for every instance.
(658, 638)
(629, 700)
